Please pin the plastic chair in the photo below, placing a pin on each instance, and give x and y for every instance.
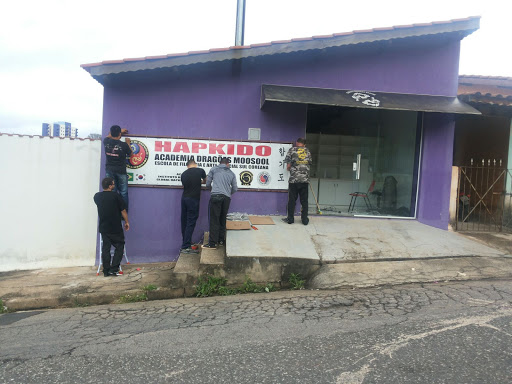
(365, 197)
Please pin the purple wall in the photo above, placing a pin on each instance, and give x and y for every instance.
(220, 102)
(436, 170)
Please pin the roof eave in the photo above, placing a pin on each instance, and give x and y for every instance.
(461, 28)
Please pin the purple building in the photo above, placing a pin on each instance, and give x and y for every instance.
(377, 108)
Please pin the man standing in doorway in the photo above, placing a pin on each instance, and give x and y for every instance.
(191, 180)
(298, 161)
(116, 152)
(111, 208)
(222, 181)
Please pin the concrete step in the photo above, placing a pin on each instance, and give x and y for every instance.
(188, 263)
(212, 256)
(368, 274)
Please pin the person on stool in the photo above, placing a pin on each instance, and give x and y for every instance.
(222, 181)
(298, 161)
(111, 208)
(116, 152)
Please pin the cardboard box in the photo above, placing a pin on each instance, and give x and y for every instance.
(237, 225)
(261, 220)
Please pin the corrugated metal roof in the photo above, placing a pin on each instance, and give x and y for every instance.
(494, 90)
(458, 28)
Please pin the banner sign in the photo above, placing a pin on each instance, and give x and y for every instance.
(157, 161)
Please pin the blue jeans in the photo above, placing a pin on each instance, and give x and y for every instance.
(189, 215)
(121, 181)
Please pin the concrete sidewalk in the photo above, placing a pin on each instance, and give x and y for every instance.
(80, 286)
(332, 252)
(340, 240)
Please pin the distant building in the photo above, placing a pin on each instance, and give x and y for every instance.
(59, 129)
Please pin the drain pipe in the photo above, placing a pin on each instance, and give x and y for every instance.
(240, 23)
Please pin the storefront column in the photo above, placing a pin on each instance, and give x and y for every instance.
(436, 170)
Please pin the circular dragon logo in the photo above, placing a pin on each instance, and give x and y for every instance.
(140, 155)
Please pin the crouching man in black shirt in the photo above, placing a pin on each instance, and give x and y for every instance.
(111, 207)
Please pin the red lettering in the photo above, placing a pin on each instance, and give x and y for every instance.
(181, 146)
(263, 150)
(231, 149)
(244, 150)
(197, 146)
(163, 146)
(216, 149)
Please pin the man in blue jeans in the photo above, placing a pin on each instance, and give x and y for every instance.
(191, 180)
(116, 152)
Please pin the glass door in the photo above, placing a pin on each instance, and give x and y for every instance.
(385, 166)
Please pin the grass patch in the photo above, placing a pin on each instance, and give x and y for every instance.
(78, 304)
(2, 308)
(133, 298)
(250, 287)
(210, 285)
(296, 281)
(143, 296)
(149, 287)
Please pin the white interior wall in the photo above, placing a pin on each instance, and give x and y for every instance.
(49, 218)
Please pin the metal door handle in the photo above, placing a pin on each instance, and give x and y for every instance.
(358, 164)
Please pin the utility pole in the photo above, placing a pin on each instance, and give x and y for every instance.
(240, 23)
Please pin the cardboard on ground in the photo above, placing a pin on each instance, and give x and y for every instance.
(261, 220)
(237, 225)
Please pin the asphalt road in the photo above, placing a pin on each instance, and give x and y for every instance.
(436, 333)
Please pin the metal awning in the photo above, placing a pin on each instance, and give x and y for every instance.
(364, 99)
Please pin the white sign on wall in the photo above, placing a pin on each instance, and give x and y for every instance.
(160, 161)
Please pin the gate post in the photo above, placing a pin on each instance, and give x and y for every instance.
(454, 197)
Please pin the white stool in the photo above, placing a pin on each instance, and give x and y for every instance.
(101, 261)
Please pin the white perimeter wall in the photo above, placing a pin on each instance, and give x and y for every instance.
(47, 214)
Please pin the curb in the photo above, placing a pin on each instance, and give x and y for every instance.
(363, 274)
(91, 299)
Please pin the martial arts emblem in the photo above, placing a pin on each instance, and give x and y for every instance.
(140, 155)
(246, 178)
(264, 178)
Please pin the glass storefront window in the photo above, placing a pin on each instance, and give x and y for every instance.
(365, 160)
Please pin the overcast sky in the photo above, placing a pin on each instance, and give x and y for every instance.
(43, 43)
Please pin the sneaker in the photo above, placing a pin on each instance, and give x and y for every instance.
(305, 222)
(189, 250)
(285, 219)
(209, 246)
(222, 243)
(115, 273)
